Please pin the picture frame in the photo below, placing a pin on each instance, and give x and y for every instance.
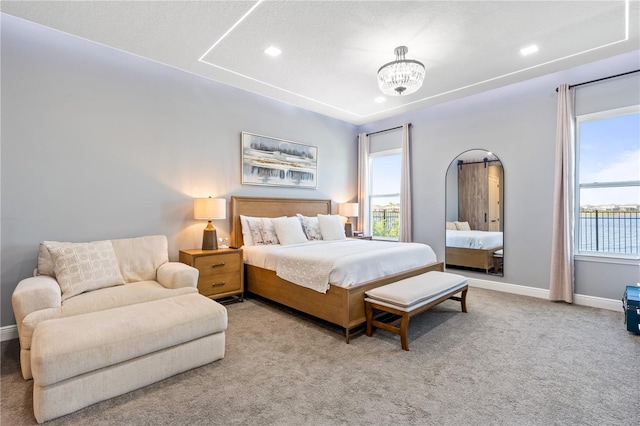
(278, 162)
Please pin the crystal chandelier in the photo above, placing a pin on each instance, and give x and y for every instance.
(402, 76)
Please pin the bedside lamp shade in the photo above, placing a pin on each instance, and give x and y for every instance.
(349, 210)
(209, 209)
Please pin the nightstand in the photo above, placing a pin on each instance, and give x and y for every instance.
(221, 271)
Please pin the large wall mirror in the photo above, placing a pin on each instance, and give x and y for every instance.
(475, 213)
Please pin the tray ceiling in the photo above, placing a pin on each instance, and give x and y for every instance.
(331, 50)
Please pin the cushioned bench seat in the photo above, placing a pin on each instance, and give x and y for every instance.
(127, 347)
(412, 296)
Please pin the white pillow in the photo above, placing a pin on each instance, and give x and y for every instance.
(311, 227)
(450, 226)
(331, 227)
(289, 230)
(462, 226)
(81, 267)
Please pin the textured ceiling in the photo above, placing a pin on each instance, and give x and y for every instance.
(331, 50)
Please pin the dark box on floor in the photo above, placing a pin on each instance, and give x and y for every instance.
(631, 306)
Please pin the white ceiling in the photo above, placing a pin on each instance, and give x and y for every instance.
(331, 50)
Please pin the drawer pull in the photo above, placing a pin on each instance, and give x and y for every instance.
(217, 264)
(218, 284)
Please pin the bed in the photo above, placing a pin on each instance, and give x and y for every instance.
(472, 249)
(342, 306)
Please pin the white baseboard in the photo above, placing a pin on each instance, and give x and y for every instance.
(9, 332)
(578, 299)
(598, 302)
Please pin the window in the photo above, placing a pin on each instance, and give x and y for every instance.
(384, 194)
(608, 183)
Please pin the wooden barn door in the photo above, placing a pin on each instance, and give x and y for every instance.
(473, 195)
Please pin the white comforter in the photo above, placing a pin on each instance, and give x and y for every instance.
(474, 239)
(343, 263)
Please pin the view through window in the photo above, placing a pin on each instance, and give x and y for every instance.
(608, 171)
(384, 194)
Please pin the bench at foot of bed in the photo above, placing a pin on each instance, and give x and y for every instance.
(410, 297)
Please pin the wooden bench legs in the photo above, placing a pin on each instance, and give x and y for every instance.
(405, 315)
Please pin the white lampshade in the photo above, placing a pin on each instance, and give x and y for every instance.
(209, 208)
(348, 209)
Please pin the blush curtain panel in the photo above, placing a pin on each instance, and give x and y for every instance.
(363, 181)
(561, 284)
(405, 188)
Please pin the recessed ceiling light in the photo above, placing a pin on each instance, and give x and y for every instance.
(380, 99)
(272, 51)
(528, 50)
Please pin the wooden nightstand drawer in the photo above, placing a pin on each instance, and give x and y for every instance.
(218, 283)
(216, 265)
(220, 271)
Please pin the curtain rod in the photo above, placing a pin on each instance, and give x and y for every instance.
(387, 130)
(601, 79)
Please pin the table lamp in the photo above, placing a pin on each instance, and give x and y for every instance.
(209, 209)
(349, 210)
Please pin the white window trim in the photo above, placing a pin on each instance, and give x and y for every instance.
(614, 258)
(377, 154)
(602, 257)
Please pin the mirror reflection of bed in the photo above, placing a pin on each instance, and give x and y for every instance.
(474, 213)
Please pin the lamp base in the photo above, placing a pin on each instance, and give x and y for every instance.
(348, 229)
(209, 239)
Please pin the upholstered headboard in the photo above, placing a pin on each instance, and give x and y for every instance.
(271, 207)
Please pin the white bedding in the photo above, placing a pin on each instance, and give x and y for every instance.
(474, 239)
(343, 263)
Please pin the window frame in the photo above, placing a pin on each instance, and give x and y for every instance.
(607, 257)
(372, 155)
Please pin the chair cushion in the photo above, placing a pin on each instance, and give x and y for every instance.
(99, 300)
(413, 290)
(139, 258)
(45, 264)
(72, 346)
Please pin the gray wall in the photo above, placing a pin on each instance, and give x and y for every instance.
(518, 124)
(100, 144)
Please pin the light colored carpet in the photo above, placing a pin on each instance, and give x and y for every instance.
(511, 360)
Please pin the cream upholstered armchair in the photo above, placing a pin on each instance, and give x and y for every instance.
(79, 278)
(104, 318)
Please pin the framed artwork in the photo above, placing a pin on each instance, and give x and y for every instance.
(278, 162)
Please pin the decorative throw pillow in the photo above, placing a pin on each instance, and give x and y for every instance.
(450, 226)
(246, 230)
(311, 227)
(81, 267)
(289, 230)
(262, 231)
(462, 226)
(331, 227)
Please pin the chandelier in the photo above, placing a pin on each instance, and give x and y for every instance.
(402, 76)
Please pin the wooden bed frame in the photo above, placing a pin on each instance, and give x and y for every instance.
(341, 306)
(470, 258)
